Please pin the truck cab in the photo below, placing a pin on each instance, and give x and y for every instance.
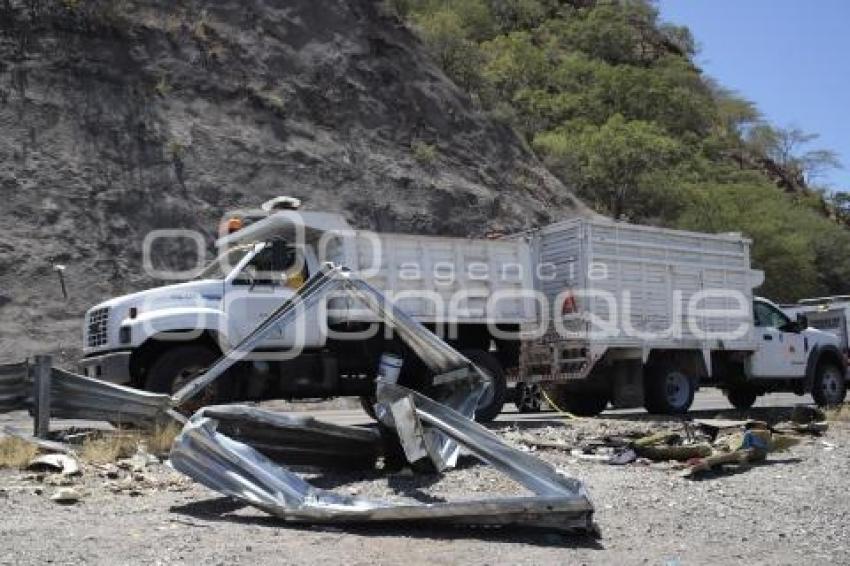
(790, 355)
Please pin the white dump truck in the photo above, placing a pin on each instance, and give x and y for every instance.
(463, 289)
(641, 315)
(595, 312)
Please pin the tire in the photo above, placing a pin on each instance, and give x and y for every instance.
(528, 397)
(176, 366)
(830, 386)
(668, 390)
(493, 398)
(742, 398)
(580, 403)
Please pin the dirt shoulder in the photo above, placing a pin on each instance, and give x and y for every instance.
(788, 510)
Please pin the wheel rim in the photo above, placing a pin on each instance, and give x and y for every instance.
(831, 385)
(677, 389)
(530, 396)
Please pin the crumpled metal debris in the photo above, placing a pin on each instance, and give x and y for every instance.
(229, 449)
(238, 470)
(79, 397)
(297, 439)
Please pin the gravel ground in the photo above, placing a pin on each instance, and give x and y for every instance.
(789, 510)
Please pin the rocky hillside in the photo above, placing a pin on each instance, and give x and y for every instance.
(119, 117)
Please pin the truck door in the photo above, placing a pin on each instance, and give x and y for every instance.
(259, 287)
(782, 349)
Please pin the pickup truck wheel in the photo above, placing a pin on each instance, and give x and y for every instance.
(742, 398)
(493, 398)
(668, 391)
(175, 367)
(829, 387)
(528, 397)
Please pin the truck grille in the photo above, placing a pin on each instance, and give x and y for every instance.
(98, 327)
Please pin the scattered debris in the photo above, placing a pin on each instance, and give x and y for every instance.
(59, 463)
(66, 496)
(138, 461)
(236, 469)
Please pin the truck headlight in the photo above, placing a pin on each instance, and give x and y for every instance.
(124, 335)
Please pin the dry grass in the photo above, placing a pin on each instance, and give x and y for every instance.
(16, 453)
(160, 440)
(123, 444)
(108, 447)
(840, 413)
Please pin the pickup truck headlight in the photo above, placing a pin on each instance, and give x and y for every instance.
(124, 335)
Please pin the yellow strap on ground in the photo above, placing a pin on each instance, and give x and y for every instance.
(557, 408)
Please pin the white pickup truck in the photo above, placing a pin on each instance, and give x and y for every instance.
(641, 315)
(461, 288)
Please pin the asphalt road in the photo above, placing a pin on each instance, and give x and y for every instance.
(707, 400)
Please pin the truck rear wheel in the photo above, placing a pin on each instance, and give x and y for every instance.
(176, 367)
(528, 397)
(580, 403)
(493, 398)
(668, 390)
(742, 398)
(829, 387)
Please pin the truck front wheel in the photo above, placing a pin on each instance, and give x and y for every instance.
(176, 366)
(829, 387)
(668, 390)
(493, 398)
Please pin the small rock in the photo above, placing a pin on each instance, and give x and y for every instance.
(66, 496)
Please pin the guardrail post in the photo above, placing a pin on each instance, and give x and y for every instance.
(41, 396)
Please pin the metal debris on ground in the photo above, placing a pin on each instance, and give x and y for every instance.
(238, 470)
(75, 396)
(297, 439)
(59, 463)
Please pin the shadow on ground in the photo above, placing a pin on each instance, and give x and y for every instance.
(228, 510)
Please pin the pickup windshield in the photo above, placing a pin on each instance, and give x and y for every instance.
(224, 264)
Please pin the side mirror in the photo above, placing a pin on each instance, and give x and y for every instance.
(802, 321)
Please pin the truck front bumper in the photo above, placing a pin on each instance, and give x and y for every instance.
(113, 367)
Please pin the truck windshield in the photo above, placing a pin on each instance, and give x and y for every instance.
(224, 264)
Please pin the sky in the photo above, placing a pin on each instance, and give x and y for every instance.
(790, 57)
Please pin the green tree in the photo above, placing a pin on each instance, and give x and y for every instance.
(609, 162)
(613, 101)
